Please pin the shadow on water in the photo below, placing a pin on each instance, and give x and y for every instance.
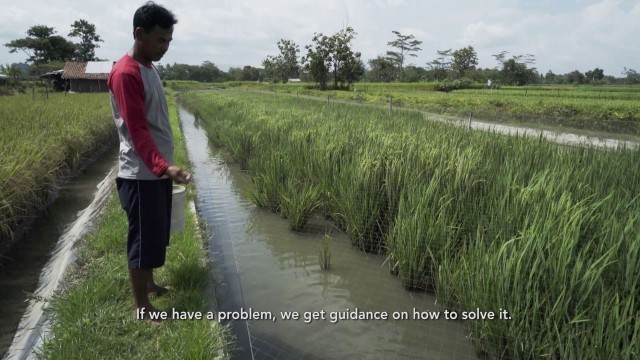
(24, 263)
(265, 267)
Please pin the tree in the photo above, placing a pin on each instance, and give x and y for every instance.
(14, 71)
(234, 74)
(575, 77)
(250, 73)
(632, 76)
(333, 54)
(464, 59)
(42, 46)
(352, 70)
(407, 45)
(515, 71)
(381, 70)
(594, 75)
(284, 66)
(86, 49)
(442, 64)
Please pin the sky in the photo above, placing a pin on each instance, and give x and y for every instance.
(564, 35)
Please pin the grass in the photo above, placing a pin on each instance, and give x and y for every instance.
(546, 232)
(92, 318)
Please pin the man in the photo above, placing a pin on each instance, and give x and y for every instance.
(145, 169)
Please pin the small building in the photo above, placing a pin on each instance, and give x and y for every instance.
(87, 76)
(56, 80)
(4, 79)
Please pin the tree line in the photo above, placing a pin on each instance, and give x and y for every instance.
(329, 61)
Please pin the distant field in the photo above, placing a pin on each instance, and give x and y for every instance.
(604, 109)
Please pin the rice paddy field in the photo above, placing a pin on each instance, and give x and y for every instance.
(486, 221)
(42, 140)
(603, 109)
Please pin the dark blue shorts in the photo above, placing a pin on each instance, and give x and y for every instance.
(148, 207)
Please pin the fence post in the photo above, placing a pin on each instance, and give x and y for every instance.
(33, 92)
(390, 104)
(327, 99)
(470, 116)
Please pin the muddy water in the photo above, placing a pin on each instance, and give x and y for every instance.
(266, 267)
(23, 271)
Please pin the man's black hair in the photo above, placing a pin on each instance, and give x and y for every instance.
(151, 14)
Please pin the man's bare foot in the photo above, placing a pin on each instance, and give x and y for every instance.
(158, 290)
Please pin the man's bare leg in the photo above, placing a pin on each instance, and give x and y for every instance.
(139, 280)
(154, 288)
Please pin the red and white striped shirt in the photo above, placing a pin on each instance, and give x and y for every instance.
(140, 112)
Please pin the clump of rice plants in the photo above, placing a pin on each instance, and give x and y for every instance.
(324, 253)
(298, 203)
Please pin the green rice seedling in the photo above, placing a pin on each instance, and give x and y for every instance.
(269, 180)
(298, 203)
(358, 197)
(324, 253)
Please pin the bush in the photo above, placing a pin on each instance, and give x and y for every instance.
(457, 84)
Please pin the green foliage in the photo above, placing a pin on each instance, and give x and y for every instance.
(285, 65)
(407, 45)
(333, 55)
(42, 46)
(463, 60)
(207, 72)
(458, 84)
(381, 69)
(89, 39)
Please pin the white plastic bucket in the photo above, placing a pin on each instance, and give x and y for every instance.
(178, 200)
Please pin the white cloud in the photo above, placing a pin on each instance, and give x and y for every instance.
(566, 35)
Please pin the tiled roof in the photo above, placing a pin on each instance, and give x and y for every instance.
(78, 70)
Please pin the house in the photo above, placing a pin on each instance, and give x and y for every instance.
(55, 79)
(87, 76)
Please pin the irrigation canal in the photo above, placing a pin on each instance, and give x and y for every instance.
(39, 263)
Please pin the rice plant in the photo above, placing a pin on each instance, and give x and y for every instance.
(489, 221)
(42, 140)
(324, 253)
